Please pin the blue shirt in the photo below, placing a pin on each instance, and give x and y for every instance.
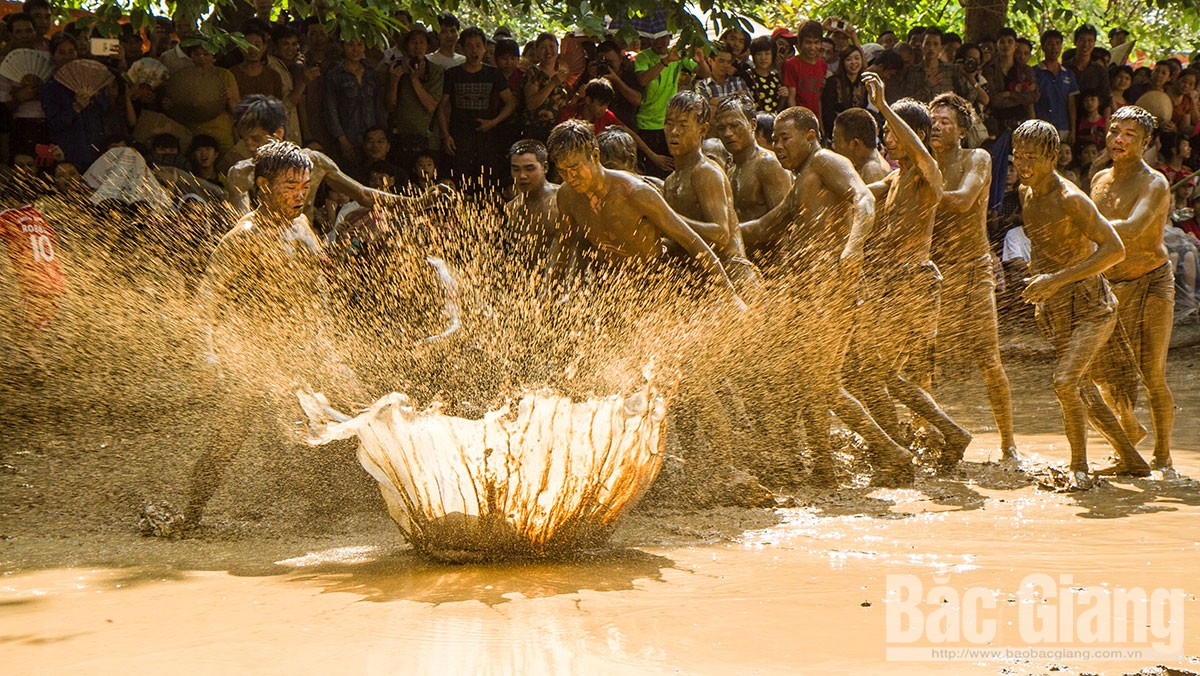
(1056, 91)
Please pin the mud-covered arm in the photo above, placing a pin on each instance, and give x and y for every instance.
(238, 183)
(914, 147)
(368, 197)
(766, 228)
(562, 261)
(1109, 251)
(709, 184)
(841, 179)
(976, 178)
(654, 208)
(1145, 215)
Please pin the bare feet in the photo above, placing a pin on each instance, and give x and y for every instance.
(1126, 467)
(896, 471)
(955, 447)
(1161, 462)
(1010, 454)
(1080, 481)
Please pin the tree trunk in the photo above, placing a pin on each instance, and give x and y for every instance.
(984, 18)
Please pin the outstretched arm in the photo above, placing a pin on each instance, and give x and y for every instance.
(766, 228)
(975, 180)
(913, 146)
(1109, 250)
(711, 193)
(562, 261)
(655, 209)
(368, 197)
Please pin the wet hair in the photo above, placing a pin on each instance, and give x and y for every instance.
(278, 157)
(760, 44)
(739, 102)
(915, 115)
(507, 47)
(802, 117)
(1040, 134)
(259, 111)
(810, 29)
(599, 90)
(1137, 114)
(1084, 29)
(572, 136)
(690, 102)
(963, 110)
(203, 141)
(1006, 32)
(617, 148)
(472, 32)
(529, 146)
(764, 123)
(857, 124)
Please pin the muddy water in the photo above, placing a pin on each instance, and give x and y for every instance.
(796, 590)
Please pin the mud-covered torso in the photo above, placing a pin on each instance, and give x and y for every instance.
(960, 236)
(1055, 241)
(1116, 200)
(903, 222)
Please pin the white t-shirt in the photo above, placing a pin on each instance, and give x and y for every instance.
(1016, 245)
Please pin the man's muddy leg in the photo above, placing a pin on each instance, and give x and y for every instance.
(1000, 398)
(1070, 374)
(1156, 340)
(920, 403)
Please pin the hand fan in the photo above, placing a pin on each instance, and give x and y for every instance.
(571, 55)
(84, 75)
(22, 62)
(148, 71)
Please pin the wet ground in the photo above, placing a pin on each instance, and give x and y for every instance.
(300, 571)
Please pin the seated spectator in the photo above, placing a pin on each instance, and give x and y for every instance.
(253, 74)
(1175, 150)
(764, 80)
(724, 80)
(1066, 163)
(164, 151)
(545, 88)
(68, 181)
(845, 89)
(425, 172)
(1183, 251)
(352, 104)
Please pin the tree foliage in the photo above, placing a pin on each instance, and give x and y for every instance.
(1160, 25)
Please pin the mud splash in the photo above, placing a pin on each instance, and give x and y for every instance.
(552, 476)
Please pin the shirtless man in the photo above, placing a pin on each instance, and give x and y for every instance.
(817, 234)
(262, 295)
(759, 181)
(618, 213)
(261, 119)
(1071, 244)
(855, 137)
(618, 151)
(966, 320)
(533, 212)
(699, 190)
(1135, 199)
(902, 282)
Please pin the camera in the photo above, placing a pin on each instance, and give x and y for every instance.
(602, 67)
(970, 64)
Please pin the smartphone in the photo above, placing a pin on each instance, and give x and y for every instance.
(104, 46)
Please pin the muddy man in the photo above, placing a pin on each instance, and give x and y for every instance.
(1136, 200)
(1071, 245)
(759, 181)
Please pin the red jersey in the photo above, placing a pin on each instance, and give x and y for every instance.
(31, 251)
(808, 79)
(601, 123)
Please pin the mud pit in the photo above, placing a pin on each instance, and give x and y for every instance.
(322, 584)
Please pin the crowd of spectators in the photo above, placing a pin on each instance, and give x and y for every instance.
(445, 102)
